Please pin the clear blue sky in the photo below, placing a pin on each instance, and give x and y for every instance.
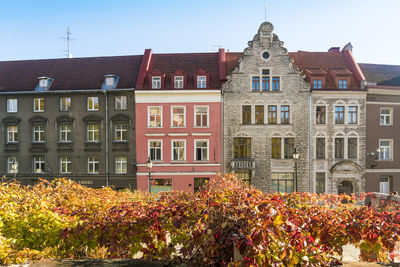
(32, 29)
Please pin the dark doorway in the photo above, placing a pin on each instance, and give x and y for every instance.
(345, 187)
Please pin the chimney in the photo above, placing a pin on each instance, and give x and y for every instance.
(334, 49)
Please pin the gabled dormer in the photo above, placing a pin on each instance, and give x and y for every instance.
(110, 81)
(341, 78)
(178, 80)
(317, 77)
(44, 83)
(201, 79)
(156, 79)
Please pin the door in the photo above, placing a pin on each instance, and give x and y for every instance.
(345, 187)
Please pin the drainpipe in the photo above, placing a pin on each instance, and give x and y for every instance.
(107, 143)
(222, 134)
(310, 147)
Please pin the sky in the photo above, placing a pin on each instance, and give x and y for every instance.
(33, 29)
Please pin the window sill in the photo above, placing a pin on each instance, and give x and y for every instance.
(39, 142)
(155, 127)
(90, 110)
(385, 125)
(201, 161)
(178, 127)
(120, 142)
(38, 111)
(65, 142)
(178, 161)
(201, 127)
(12, 111)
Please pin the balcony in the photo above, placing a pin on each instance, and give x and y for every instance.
(246, 164)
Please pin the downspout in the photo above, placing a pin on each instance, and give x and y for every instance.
(107, 143)
(310, 154)
(222, 134)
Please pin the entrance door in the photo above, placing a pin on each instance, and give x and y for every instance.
(345, 187)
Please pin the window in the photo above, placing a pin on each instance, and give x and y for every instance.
(285, 115)
(155, 117)
(121, 132)
(11, 160)
(339, 115)
(282, 182)
(38, 133)
(320, 183)
(201, 150)
(352, 114)
(276, 148)
(38, 164)
(317, 84)
(12, 134)
(260, 114)
(256, 83)
(155, 150)
(12, 105)
(65, 133)
(244, 175)
(384, 185)
(385, 149)
(246, 114)
(178, 117)
(65, 165)
(38, 105)
(242, 147)
(178, 150)
(199, 183)
(93, 165)
(265, 83)
(43, 82)
(386, 116)
(352, 148)
(275, 83)
(109, 81)
(201, 116)
(121, 164)
(93, 133)
(272, 114)
(120, 103)
(161, 185)
(201, 82)
(342, 84)
(339, 148)
(65, 104)
(320, 115)
(178, 82)
(288, 148)
(320, 149)
(93, 103)
(156, 82)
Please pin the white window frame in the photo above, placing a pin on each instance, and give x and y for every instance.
(172, 149)
(148, 116)
(95, 99)
(390, 147)
(39, 100)
(12, 105)
(66, 132)
(156, 82)
(347, 114)
(326, 114)
(109, 81)
(390, 115)
(38, 129)
(93, 160)
(178, 82)
(65, 106)
(383, 185)
(43, 82)
(195, 150)
(93, 131)
(12, 132)
(121, 164)
(67, 162)
(195, 117)
(38, 160)
(121, 102)
(119, 128)
(172, 116)
(149, 148)
(202, 81)
(10, 161)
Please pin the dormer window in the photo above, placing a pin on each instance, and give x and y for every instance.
(178, 82)
(156, 82)
(110, 81)
(201, 81)
(317, 84)
(342, 84)
(44, 83)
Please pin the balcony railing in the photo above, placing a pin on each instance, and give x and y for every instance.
(243, 164)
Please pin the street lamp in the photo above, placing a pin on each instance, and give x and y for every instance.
(14, 167)
(149, 164)
(296, 156)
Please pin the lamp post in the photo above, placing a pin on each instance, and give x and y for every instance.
(149, 164)
(296, 156)
(14, 167)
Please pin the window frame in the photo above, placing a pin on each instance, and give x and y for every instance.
(390, 115)
(93, 131)
(41, 133)
(195, 117)
(119, 132)
(317, 146)
(122, 101)
(390, 146)
(156, 82)
(278, 179)
(40, 102)
(149, 148)
(354, 148)
(342, 121)
(335, 148)
(41, 162)
(352, 115)
(15, 134)
(246, 114)
(317, 84)
(68, 133)
(276, 148)
(65, 107)
(149, 116)
(179, 82)
(260, 119)
(242, 144)
(285, 120)
(96, 163)
(68, 164)
(202, 83)
(343, 84)
(179, 115)
(255, 83)
(122, 164)
(318, 120)
(274, 114)
(173, 147)
(12, 105)
(13, 159)
(93, 106)
(275, 82)
(207, 148)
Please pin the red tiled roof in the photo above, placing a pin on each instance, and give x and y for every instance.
(69, 73)
(232, 59)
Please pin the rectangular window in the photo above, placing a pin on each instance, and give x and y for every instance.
(65, 104)
(320, 115)
(320, 149)
(256, 83)
(38, 164)
(342, 84)
(38, 133)
(339, 148)
(178, 82)
(265, 83)
(161, 185)
(156, 82)
(384, 185)
(320, 183)
(244, 175)
(317, 84)
(65, 165)
(246, 114)
(155, 150)
(93, 165)
(275, 83)
(121, 166)
(120, 102)
(386, 116)
(93, 103)
(178, 150)
(285, 115)
(38, 105)
(339, 115)
(93, 133)
(242, 148)
(201, 81)
(276, 148)
(155, 117)
(352, 148)
(288, 148)
(178, 117)
(12, 164)
(282, 182)
(352, 114)
(199, 183)
(201, 149)
(272, 115)
(201, 116)
(65, 133)
(12, 134)
(121, 132)
(385, 149)
(260, 114)
(12, 105)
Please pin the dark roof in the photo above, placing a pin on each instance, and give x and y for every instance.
(232, 59)
(69, 73)
(381, 74)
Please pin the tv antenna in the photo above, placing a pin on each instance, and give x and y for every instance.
(68, 39)
(265, 10)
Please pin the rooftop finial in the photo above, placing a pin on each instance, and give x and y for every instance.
(265, 10)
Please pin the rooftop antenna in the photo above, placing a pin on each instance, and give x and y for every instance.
(68, 39)
(217, 46)
(265, 10)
